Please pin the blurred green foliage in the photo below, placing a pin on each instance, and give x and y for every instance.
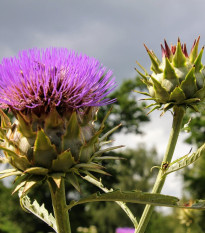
(194, 177)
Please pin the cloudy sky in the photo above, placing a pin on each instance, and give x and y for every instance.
(112, 31)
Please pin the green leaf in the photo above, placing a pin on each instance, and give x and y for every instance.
(72, 139)
(143, 93)
(191, 101)
(161, 93)
(179, 59)
(144, 78)
(89, 165)
(155, 62)
(31, 182)
(100, 152)
(71, 177)
(44, 151)
(194, 52)
(63, 162)
(57, 177)
(37, 171)
(200, 93)
(104, 137)
(188, 85)
(37, 210)
(177, 95)
(198, 64)
(5, 121)
(24, 127)
(87, 150)
(8, 171)
(185, 160)
(170, 80)
(129, 196)
(97, 171)
(108, 158)
(93, 180)
(20, 162)
(15, 173)
(140, 198)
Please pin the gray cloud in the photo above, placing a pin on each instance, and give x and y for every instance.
(112, 31)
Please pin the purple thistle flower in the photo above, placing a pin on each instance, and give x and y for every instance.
(125, 230)
(54, 77)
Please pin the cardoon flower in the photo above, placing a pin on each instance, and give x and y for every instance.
(125, 230)
(54, 95)
(178, 79)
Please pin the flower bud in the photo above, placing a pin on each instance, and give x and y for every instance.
(176, 80)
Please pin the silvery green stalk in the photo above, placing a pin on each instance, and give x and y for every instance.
(176, 82)
(54, 95)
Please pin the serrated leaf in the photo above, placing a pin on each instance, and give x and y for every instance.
(131, 196)
(64, 162)
(44, 152)
(140, 197)
(185, 161)
(71, 177)
(37, 210)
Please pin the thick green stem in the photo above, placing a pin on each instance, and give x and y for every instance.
(176, 126)
(59, 206)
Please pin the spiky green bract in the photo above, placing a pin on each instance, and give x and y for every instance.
(179, 79)
(53, 146)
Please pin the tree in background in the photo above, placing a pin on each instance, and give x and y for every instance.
(195, 177)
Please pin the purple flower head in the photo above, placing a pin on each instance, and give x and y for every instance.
(54, 77)
(125, 230)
